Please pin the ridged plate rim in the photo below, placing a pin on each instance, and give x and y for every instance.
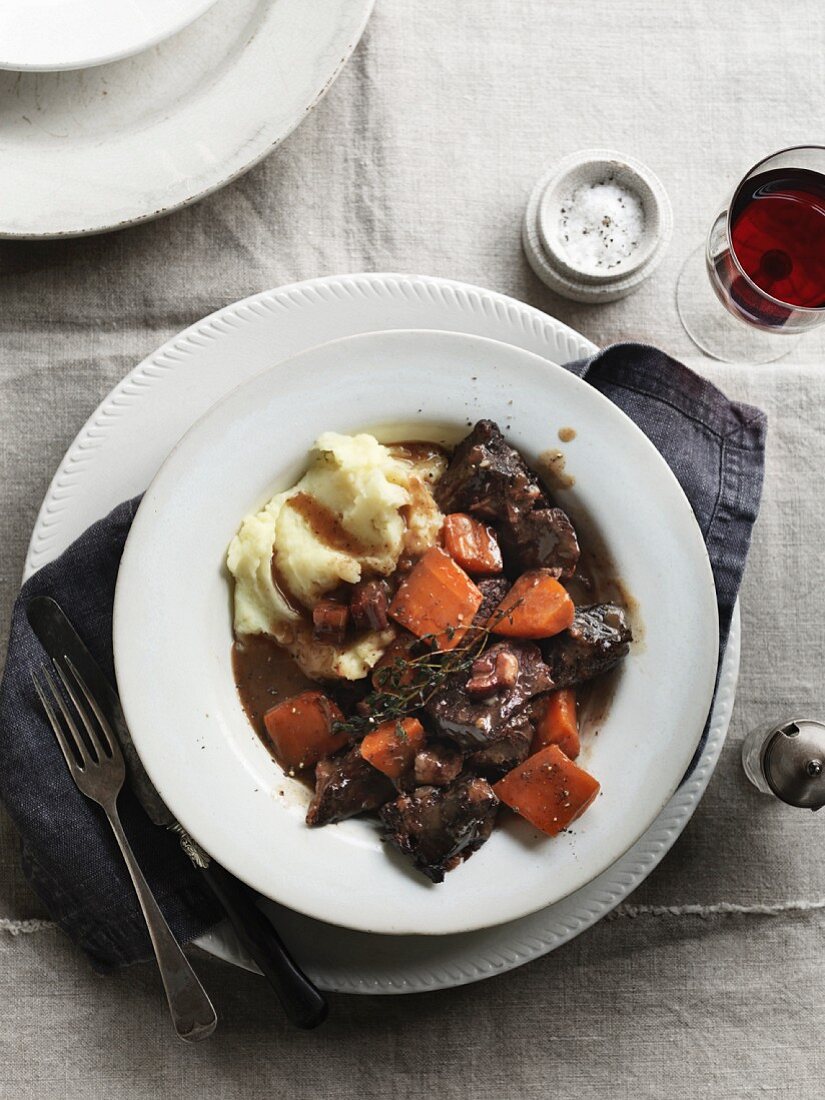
(368, 302)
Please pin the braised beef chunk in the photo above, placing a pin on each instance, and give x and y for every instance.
(489, 478)
(543, 538)
(509, 750)
(346, 785)
(368, 605)
(437, 765)
(471, 722)
(349, 694)
(493, 590)
(329, 621)
(439, 826)
(598, 639)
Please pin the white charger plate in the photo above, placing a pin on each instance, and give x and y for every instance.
(122, 445)
(172, 591)
(76, 34)
(97, 149)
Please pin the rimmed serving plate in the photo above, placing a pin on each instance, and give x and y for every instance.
(124, 442)
(137, 138)
(172, 627)
(48, 36)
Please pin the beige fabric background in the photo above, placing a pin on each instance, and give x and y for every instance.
(420, 159)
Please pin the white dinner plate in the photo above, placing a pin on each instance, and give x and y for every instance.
(125, 440)
(97, 149)
(76, 34)
(172, 592)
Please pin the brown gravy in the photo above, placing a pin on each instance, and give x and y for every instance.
(325, 525)
(279, 580)
(265, 675)
(550, 467)
(418, 451)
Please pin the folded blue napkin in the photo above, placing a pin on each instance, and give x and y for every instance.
(713, 445)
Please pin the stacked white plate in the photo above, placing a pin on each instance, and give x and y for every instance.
(135, 138)
(125, 442)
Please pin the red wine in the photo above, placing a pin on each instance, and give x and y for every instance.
(778, 234)
(778, 239)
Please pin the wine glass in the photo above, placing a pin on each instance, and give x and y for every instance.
(764, 261)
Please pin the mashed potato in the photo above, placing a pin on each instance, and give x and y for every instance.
(356, 510)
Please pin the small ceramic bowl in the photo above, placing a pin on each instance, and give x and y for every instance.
(541, 235)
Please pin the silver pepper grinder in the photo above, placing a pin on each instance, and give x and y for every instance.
(787, 759)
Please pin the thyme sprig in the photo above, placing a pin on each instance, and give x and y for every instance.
(408, 683)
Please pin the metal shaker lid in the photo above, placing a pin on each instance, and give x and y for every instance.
(794, 763)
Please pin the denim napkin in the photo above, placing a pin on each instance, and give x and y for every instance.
(713, 445)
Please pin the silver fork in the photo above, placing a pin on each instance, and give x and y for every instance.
(96, 765)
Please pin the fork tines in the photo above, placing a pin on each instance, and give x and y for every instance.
(98, 747)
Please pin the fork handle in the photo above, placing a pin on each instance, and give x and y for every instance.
(192, 1012)
(302, 1002)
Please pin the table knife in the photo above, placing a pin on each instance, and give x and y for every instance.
(303, 1004)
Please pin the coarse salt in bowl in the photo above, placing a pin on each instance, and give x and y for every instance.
(597, 225)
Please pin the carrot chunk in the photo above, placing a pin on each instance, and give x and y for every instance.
(392, 747)
(436, 597)
(300, 729)
(548, 789)
(537, 606)
(472, 544)
(558, 723)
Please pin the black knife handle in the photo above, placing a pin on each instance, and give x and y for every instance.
(303, 1004)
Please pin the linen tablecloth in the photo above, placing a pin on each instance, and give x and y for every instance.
(420, 159)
